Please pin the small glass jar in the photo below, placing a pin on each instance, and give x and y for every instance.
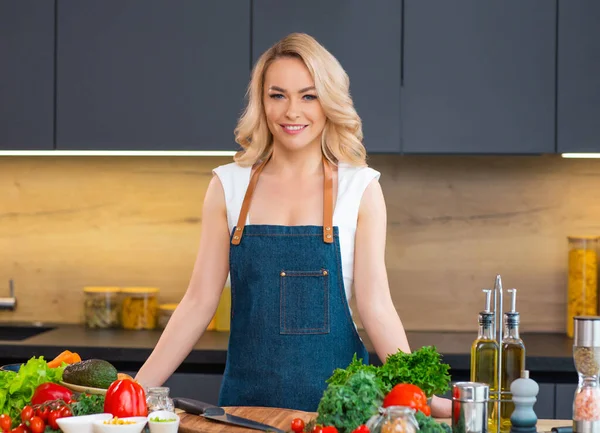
(158, 399)
(165, 311)
(394, 419)
(582, 290)
(102, 307)
(139, 308)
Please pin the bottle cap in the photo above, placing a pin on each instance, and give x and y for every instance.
(474, 392)
(587, 331)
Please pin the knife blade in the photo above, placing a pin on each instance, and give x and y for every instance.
(215, 413)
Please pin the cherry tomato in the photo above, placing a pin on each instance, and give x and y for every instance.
(5, 422)
(330, 429)
(43, 413)
(52, 417)
(297, 425)
(20, 429)
(36, 424)
(65, 412)
(361, 429)
(26, 413)
(317, 429)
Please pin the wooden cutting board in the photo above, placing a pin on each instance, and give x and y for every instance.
(280, 418)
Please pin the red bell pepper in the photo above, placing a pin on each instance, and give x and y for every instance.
(125, 398)
(405, 394)
(51, 391)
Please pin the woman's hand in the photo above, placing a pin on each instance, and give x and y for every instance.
(441, 407)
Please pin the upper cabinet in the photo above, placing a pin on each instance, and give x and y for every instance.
(364, 37)
(27, 75)
(479, 77)
(150, 74)
(578, 113)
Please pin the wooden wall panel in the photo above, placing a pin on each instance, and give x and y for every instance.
(453, 223)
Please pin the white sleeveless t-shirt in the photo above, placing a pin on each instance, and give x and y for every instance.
(352, 182)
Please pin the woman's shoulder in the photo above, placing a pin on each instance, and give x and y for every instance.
(354, 173)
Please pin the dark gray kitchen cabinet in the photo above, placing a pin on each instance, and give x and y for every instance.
(150, 74)
(364, 37)
(26, 75)
(578, 87)
(478, 77)
(544, 405)
(565, 393)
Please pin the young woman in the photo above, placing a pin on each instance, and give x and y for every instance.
(299, 223)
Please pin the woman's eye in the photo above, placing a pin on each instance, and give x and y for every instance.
(310, 97)
(276, 95)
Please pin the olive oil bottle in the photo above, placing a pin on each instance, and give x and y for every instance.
(513, 362)
(484, 359)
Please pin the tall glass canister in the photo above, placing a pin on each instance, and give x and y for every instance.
(582, 290)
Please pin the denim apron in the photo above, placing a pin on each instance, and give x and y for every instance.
(290, 321)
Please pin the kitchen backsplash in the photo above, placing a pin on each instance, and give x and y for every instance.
(453, 224)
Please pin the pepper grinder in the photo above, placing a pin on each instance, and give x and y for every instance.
(524, 395)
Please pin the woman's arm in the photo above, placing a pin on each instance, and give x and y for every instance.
(374, 302)
(198, 306)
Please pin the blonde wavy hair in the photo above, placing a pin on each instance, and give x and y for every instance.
(342, 136)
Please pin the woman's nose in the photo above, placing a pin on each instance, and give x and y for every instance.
(293, 111)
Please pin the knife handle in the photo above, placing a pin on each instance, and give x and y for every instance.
(195, 407)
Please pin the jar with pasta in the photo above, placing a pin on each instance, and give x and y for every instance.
(582, 290)
(139, 308)
(102, 307)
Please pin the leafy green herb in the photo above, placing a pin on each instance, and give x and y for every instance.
(347, 405)
(16, 389)
(88, 404)
(430, 425)
(422, 367)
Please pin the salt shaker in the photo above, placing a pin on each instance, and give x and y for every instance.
(524, 395)
(470, 407)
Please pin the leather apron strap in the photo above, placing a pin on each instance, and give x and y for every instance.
(327, 202)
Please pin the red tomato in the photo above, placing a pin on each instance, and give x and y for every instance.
(406, 394)
(297, 425)
(52, 417)
(50, 391)
(5, 422)
(26, 413)
(330, 429)
(43, 413)
(317, 429)
(125, 398)
(36, 424)
(361, 429)
(20, 429)
(65, 412)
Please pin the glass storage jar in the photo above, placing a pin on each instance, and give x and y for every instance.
(158, 399)
(582, 290)
(102, 307)
(165, 311)
(139, 308)
(394, 419)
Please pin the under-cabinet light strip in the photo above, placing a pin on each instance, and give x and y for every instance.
(581, 155)
(116, 153)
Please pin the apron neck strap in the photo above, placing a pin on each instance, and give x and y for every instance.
(327, 202)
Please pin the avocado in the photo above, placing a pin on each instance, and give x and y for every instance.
(95, 373)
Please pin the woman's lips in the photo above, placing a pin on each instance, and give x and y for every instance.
(293, 129)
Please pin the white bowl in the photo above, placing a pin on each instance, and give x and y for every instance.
(81, 424)
(139, 422)
(165, 426)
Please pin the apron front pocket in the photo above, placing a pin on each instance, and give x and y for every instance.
(304, 302)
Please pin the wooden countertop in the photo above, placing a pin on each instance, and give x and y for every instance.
(282, 418)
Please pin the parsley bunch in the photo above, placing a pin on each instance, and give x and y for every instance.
(423, 368)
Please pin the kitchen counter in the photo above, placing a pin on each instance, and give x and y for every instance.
(549, 356)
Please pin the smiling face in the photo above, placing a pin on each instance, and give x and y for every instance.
(294, 114)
